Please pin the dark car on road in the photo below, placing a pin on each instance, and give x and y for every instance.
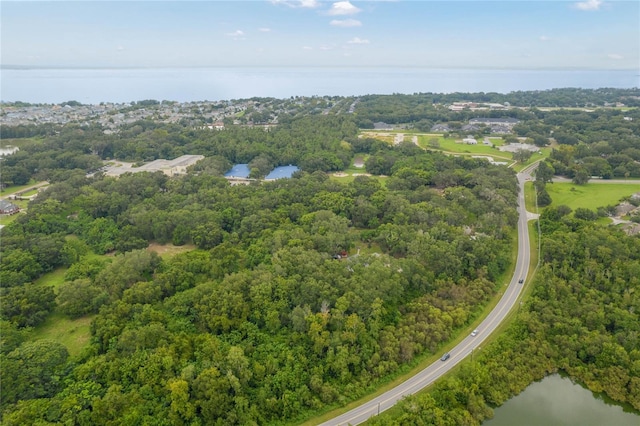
(521, 280)
(445, 356)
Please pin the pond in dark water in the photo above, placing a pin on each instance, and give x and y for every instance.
(557, 401)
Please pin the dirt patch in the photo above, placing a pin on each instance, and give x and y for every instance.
(169, 249)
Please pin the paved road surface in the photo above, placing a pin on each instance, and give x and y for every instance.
(469, 344)
(27, 189)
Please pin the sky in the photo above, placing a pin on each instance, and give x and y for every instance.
(589, 34)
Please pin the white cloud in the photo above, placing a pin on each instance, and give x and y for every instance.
(307, 48)
(264, 30)
(325, 47)
(120, 48)
(345, 23)
(615, 56)
(309, 4)
(343, 8)
(544, 38)
(236, 35)
(358, 40)
(588, 5)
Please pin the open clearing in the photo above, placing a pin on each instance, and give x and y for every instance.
(72, 333)
(53, 278)
(168, 250)
(591, 195)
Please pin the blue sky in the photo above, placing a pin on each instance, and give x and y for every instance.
(309, 33)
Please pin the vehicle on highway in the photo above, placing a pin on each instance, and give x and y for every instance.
(521, 280)
(474, 333)
(445, 357)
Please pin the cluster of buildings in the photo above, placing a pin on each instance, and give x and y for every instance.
(475, 106)
(177, 166)
(114, 115)
(496, 125)
(205, 114)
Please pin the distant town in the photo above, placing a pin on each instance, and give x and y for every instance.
(264, 112)
(211, 114)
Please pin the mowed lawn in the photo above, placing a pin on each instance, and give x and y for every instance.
(591, 195)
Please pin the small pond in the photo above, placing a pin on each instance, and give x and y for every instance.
(557, 401)
(282, 172)
(239, 170)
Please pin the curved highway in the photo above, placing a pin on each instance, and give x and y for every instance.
(465, 348)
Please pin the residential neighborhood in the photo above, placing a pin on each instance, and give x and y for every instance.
(212, 115)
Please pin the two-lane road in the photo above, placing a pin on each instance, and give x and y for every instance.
(465, 348)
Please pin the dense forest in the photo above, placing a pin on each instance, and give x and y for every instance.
(267, 319)
(313, 143)
(301, 294)
(582, 318)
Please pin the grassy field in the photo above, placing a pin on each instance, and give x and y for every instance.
(530, 197)
(53, 278)
(454, 146)
(350, 177)
(591, 195)
(73, 333)
(544, 153)
(15, 188)
(450, 145)
(30, 193)
(20, 142)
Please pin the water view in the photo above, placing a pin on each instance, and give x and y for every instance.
(558, 401)
(282, 172)
(243, 171)
(239, 171)
(92, 86)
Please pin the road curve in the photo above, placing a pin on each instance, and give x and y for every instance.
(465, 348)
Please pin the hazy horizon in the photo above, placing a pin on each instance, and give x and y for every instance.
(40, 85)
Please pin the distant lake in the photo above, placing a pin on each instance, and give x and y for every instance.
(243, 171)
(239, 170)
(557, 401)
(282, 172)
(92, 86)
